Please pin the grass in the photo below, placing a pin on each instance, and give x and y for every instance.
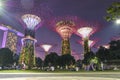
(56, 71)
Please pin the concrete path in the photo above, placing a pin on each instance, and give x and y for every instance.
(60, 76)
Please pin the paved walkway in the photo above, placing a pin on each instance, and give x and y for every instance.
(60, 76)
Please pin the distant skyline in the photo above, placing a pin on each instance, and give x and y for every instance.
(90, 11)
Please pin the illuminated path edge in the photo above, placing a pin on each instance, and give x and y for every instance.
(59, 76)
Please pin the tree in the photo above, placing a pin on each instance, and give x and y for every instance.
(6, 57)
(51, 59)
(87, 57)
(115, 50)
(113, 12)
(38, 62)
(16, 58)
(79, 63)
(67, 59)
(103, 54)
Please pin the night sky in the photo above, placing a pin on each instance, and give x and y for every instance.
(88, 10)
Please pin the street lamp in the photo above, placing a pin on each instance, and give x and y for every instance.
(117, 21)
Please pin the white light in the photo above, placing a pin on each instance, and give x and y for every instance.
(90, 42)
(106, 46)
(117, 21)
(46, 47)
(1, 4)
(85, 31)
(31, 20)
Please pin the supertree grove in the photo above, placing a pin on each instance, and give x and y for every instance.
(28, 42)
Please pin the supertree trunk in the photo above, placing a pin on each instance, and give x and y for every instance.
(66, 47)
(86, 45)
(27, 56)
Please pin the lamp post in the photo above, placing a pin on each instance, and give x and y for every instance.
(28, 42)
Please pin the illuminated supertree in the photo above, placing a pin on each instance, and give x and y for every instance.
(46, 48)
(85, 32)
(65, 27)
(90, 43)
(28, 42)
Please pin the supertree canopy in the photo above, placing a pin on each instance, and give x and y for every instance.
(31, 22)
(46, 48)
(85, 31)
(65, 28)
(28, 42)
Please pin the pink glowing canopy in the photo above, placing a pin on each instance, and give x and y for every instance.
(31, 21)
(65, 28)
(46, 47)
(85, 31)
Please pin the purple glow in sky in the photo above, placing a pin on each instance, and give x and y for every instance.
(87, 10)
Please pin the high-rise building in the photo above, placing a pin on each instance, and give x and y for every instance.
(10, 38)
(11, 42)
